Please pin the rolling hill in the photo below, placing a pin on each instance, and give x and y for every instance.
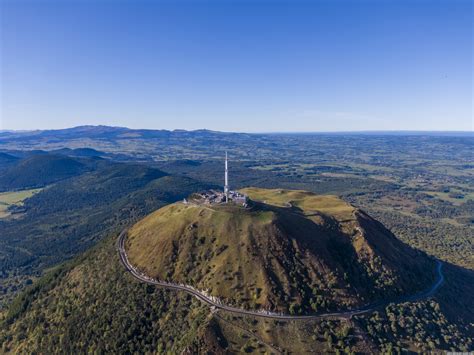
(71, 215)
(79, 152)
(7, 159)
(41, 170)
(292, 251)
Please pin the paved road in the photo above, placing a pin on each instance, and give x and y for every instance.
(206, 299)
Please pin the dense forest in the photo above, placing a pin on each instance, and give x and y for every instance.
(71, 215)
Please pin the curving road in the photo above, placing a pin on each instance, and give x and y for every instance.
(206, 299)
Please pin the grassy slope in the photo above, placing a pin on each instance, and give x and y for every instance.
(305, 258)
(307, 201)
(210, 258)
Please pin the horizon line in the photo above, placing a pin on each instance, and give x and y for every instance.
(239, 132)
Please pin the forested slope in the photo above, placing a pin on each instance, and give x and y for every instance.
(92, 305)
(43, 169)
(69, 216)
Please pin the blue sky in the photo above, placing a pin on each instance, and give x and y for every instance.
(248, 66)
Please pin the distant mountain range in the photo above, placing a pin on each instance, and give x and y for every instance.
(101, 131)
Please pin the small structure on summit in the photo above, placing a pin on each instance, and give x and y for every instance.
(213, 197)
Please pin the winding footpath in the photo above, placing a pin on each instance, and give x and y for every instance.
(278, 316)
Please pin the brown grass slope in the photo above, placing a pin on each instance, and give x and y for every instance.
(291, 251)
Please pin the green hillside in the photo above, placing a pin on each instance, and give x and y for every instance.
(69, 216)
(293, 252)
(7, 160)
(92, 305)
(113, 313)
(41, 170)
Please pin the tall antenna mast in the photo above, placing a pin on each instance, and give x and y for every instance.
(226, 180)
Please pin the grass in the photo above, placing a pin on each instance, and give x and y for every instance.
(14, 198)
(197, 237)
(307, 201)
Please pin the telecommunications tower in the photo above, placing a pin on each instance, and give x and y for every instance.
(226, 181)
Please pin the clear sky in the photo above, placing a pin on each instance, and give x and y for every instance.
(237, 65)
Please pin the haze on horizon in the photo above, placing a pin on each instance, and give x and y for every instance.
(250, 66)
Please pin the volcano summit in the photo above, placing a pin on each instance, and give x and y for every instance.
(287, 251)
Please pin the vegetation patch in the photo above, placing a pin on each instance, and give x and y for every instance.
(14, 198)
